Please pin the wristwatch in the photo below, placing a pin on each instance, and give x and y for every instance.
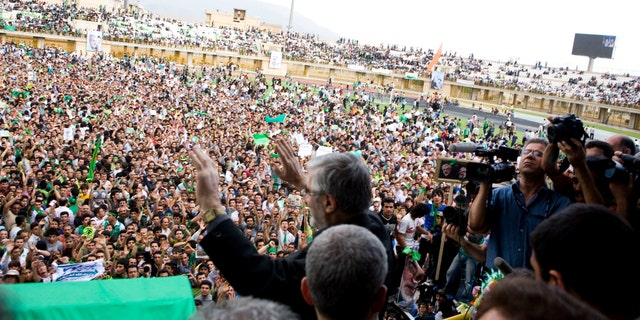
(212, 213)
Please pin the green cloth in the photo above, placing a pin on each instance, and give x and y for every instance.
(136, 299)
(261, 139)
(279, 118)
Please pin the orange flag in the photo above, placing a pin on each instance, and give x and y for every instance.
(434, 60)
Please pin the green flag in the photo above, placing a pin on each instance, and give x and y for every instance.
(279, 118)
(261, 139)
(357, 153)
(92, 164)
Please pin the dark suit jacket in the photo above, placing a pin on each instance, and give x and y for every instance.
(252, 274)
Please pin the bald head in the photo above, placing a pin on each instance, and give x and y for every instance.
(622, 143)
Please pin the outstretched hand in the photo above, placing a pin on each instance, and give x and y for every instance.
(574, 150)
(288, 166)
(207, 180)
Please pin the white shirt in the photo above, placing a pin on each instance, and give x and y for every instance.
(407, 228)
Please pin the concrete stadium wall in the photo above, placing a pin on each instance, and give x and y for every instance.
(618, 115)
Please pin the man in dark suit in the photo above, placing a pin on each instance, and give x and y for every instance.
(337, 189)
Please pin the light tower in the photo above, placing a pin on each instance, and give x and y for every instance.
(290, 26)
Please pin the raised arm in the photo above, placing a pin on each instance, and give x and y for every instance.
(478, 211)
(576, 154)
(288, 166)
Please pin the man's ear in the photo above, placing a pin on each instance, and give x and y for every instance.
(379, 299)
(555, 278)
(330, 203)
(306, 293)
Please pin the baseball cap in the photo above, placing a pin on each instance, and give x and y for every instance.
(12, 273)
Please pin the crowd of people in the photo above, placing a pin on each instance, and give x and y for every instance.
(228, 179)
(136, 25)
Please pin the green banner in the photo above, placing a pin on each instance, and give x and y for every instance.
(261, 139)
(279, 118)
(166, 298)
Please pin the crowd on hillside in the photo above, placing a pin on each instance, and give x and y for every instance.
(143, 26)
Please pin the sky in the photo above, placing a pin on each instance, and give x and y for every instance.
(526, 31)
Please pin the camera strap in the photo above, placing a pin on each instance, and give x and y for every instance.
(525, 210)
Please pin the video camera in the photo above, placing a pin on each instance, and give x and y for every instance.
(489, 169)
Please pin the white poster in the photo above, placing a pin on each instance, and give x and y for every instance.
(437, 79)
(305, 150)
(322, 150)
(79, 271)
(68, 134)
(94, 41)
(276, 60)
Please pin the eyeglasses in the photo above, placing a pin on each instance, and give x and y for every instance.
(304, 192)
(536, 153)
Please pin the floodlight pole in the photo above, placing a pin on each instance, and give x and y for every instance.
(290, 26)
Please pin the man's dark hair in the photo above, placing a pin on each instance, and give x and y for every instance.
(207, 282)
(438, 192)
(20, 220)
(388, 200)
(606, 148)
(420, 210)
(563, 239)
(123, 262)
(52, 232)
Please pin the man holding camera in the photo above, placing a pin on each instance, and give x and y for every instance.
(512, 212)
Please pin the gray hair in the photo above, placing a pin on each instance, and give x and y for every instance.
(345, 177)
(542, 141)
(245, 308)
(346, 265)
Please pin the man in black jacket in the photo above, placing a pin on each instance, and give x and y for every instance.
(337, 189)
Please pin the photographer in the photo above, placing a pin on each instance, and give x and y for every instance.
(512, 212)
(576, 155)
(613, 180)
(471, 255)
(626, 192)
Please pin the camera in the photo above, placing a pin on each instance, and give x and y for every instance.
(565, 127)
(146, 269)
(606, 168)
(490, 170)
(456, 217)
(630, 162)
